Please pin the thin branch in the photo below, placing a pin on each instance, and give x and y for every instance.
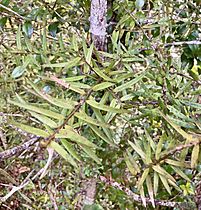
(137, 198)
(178, 148)
(194, 42)
(15, 13)
(18, 149)
(188, 77)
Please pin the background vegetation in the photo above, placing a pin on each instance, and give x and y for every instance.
(82, 128)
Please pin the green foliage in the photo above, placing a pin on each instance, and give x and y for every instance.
(131, 114)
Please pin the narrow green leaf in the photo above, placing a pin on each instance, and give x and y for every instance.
(102, 75)
(69, 133)
(69, 64)
(192, 104)
(102, 86)
(96, 105)
(88, 58)
(132, 59)
(143, 196)
(74, 79)
(44, 40)
(165, 183)
(177, 163)
(174, 185)
(99, 116)
(30, 129)
(110, 115)
(129, 165)
(159, 147)
(129, 84)
(177, 128)
(63, 103)
(99, 133)
(156, 181)
(18, 38)
(181, 173)
(45, 120)
(150, 140)
(70, 149)
(74, 43)
(162, 171)
(61, 151)
(91, 153)
(138, 150)
(148, 154)
(150, 190)
(79, 85)
(195, 156)
(38, 110)
(83, 116)
(143, 178)
(133, 162)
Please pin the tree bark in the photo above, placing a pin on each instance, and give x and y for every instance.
(98, 23)
(198, 195)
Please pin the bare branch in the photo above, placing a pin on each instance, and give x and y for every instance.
(18, 149)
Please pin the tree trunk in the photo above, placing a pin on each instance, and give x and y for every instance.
(98, 23)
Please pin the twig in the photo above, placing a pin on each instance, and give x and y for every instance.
(15, 13)
(15, 189)
(195, 42)
(16, 150)
(188, 77)
(137, 198)
(178, 148)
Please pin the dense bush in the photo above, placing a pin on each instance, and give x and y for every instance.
(124, 124)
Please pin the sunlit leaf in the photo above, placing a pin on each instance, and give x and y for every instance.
(38, 110)
(150, 140)
(30, 129)
(195, 156)
(165, 183)
(69, 64)
(45, 120)
(138, 150)
(162, 171)
(143, 196)
(159, 146)
(129, 165)
(61, 151)
(96, 105)
(156, 182)
(69, 147)
(83, 116)
(177, 128)
(102, 86)
(143, 178)
(129, 84)
(150, 190)
(69, 133)
(102, 75)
